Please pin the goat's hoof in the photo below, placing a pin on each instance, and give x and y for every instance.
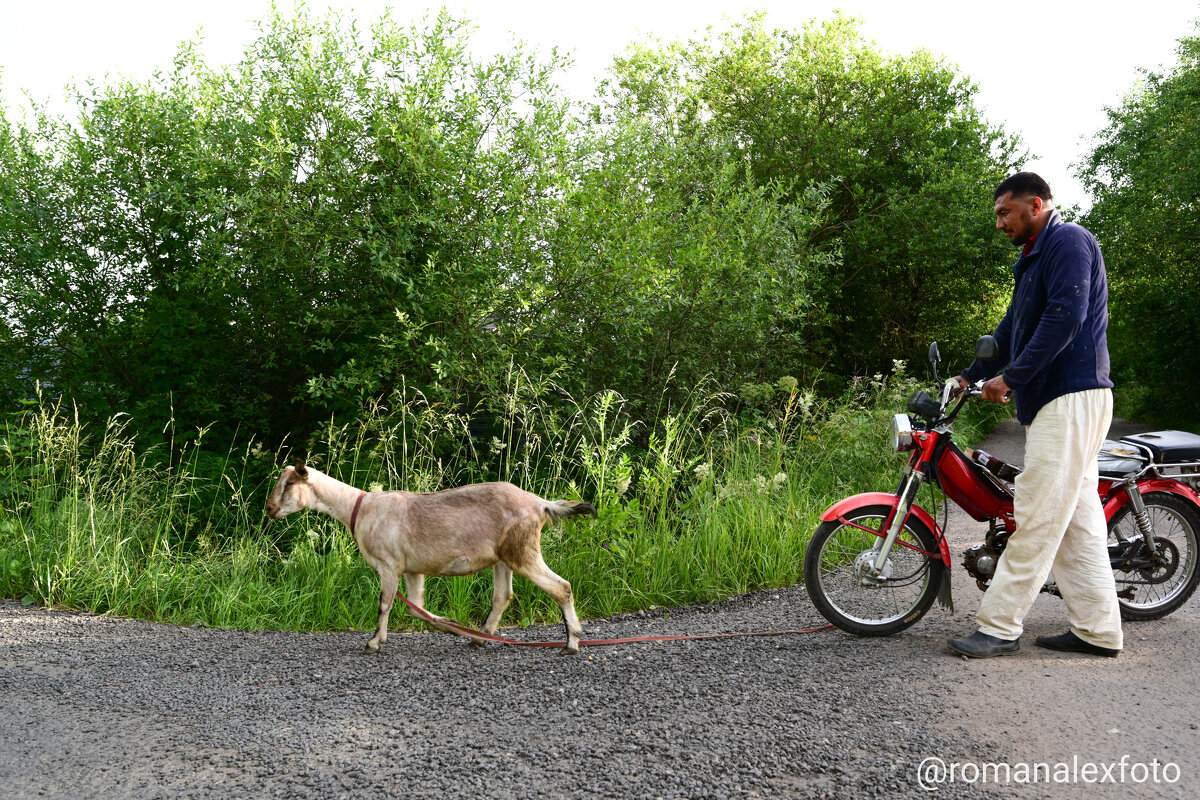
(570, 651)
(372, 647)
(478, 643)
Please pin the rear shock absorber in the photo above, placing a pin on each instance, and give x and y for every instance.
(1140, 517)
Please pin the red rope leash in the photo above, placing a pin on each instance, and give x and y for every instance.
(425, 615)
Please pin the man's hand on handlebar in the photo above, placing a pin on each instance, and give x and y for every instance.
(996, 390)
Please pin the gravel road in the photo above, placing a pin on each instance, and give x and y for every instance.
(93, 706)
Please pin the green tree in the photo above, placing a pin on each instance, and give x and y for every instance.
(1144, 178)
(898, 141)
(667, 266)
(260, 245)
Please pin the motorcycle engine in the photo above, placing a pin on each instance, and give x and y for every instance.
(980, 563)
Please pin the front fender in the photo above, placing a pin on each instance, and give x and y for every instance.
(839, 510)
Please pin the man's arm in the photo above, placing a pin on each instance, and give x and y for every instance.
(1068, 287)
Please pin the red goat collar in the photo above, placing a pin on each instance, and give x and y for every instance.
(354, 513)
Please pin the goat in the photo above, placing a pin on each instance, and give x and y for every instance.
(452, 532)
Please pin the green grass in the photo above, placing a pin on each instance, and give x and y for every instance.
(709, 505)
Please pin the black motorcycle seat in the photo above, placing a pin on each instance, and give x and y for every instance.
(1168, 446)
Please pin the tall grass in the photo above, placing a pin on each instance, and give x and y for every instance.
(696, 505)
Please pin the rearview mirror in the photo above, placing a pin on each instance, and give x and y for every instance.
(935, 355)
(986, 348)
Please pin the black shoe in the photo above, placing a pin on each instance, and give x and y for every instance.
(980, 645)
(1070, 643)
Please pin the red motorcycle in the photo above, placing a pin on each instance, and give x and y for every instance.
(877, 561)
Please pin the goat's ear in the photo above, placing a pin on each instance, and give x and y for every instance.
(301, 470)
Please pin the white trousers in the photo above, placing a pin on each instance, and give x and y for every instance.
(1060, 525)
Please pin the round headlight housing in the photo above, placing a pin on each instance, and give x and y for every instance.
(901, 433)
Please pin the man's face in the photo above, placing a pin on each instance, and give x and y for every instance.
(1015, 217)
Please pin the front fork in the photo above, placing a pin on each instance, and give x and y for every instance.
(907, 495)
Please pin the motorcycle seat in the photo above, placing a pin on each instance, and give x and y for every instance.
(1168, 446)
(1118, 459)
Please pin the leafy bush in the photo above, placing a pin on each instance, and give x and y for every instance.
(901, 156)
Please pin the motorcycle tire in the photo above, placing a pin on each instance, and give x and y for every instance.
(832, 566)
(1151, 594)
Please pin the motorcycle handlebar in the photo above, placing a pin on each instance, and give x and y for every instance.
(952, 390)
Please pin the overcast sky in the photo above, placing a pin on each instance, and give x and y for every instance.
(1045, 71)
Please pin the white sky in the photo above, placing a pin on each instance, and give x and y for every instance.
(1045, 71)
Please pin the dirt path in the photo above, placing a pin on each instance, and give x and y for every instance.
(98, 707)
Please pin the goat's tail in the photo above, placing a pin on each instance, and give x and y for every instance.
(570, 508)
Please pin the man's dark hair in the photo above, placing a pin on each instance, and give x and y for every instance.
(1025, 184)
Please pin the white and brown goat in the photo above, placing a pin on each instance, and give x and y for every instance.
(451, 532)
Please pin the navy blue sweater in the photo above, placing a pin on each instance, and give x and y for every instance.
(1053, 339)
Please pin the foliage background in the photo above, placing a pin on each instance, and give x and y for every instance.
(351, 215)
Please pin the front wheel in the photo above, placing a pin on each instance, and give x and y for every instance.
(837, 577)
(1150, 586)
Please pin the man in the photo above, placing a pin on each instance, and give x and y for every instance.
(1054, 353)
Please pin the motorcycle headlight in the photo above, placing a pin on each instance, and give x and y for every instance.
(901, 433)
